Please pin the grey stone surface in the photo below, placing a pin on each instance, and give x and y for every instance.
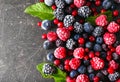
(20, 43)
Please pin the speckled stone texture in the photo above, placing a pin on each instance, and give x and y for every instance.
(20, 43)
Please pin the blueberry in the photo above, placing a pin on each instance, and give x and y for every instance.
(106, 4)
(76, 36)
(100, 75)
(68, 1)
(99, 40)
(113, 6)
(91, 76)
(46, 24)
(49, 2)
(82, 69)
(86, 62)
(90, 69)
(47, 44)
(73, 73)
(103, 55)
(59, 43)
(50, 57)
(89, 45)
(97, 47)
(88, 27)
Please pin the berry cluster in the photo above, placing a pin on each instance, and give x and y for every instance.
(86, 52)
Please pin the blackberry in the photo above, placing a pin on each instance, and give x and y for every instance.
(59, 43)
(78, 28)
(61, 67)
(88, 27)
(84, 11)
(60, 3)
(70, 44)
(114, 76)
(115, 56)
(90, 69)
(68, 20)
(68, 10)
(98, 31)
(48, 69)
(105, 72)
(89, 45)
(59, 14)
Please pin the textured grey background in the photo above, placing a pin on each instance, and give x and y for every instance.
(20, 43)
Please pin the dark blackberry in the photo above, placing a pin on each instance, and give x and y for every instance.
(90, 69)
(70, 44)
(68, 10)
(60, 3)
(61, 66)
(104, 47)
(115, 56)
(48, 69)
(84, 11)
(114, 76)
(78, 28)
(98, 31)
(68, 20)
(59, 14)
(116, 43)
(59, 43)
(105, 72)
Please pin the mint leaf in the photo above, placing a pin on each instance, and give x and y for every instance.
(91, 19)
(41, 11)
(59, 76)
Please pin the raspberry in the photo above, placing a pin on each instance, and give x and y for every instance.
(101, 20)
(109, 38)
(79, 53)
(63, 33)
(82, 78)
(113, 64)
(74, 63)
(79, 3)
(97, 63)
(113, 27)
(68, 79)
(118, 49)
(52, 36)
(60, 53)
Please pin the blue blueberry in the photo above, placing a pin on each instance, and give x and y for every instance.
(49, 2)
(106, 4)
(99, 40)
(97, 47)
(86, 62)
(73, 73)
(47, 44)
(88, 27)
(50, 57)
(91, 76)
(82, 69)
(46, 24)
(68, 1)
(76, 36)
(89, 45)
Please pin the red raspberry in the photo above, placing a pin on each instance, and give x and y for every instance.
(113, 64)
(79, 3)
(101, 20)
(63, 33)
(97, 63)
(51, 36)
(60, 53)
(74, 63)
(82, 78)
(68, 79)
(113, 27)
(79, 53)
(109, 38)
(67, 67)
(118, 49)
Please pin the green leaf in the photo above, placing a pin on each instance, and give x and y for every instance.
(59, 76)
(91, 19)
(41, 11)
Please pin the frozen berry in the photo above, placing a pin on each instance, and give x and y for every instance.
(88, 27)
(68, 1)
(79, 53)
(82, 78)
(63, 33)
(114, 76)
(49, 2)
(113, 27)
(51, 36)
(79, 3)
(60, 52)
(109, 38)
(97, 47)
(73, 73)
(74, 63)
(118, 49)
(50, 57)
(69, 79)
(101, 20)
(60, 3)
(78, 28)
(98, 31)
(107, 4)
(47, 44)
(46, 24)
(70, 44)
(82, 69)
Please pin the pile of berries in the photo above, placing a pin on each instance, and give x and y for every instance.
(86, 52)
